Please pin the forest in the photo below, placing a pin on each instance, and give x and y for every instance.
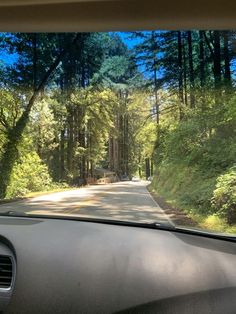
(157, 104)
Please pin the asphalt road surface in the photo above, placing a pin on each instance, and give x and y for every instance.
(121, 201)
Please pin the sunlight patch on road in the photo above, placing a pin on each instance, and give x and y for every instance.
(56, 205)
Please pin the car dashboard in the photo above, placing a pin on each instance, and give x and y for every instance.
(67, 266)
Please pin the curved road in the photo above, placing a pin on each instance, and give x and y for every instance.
(120, 201)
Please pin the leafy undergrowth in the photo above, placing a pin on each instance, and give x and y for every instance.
(30, 177)
(214, 223)
(53, 189)
(195, 163)
(207, 200)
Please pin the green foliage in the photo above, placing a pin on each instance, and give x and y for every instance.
(187, 185)
(197, 159)
(29, 175)
(98, 108)
(224, 196)
(142, 132)
(10, 108)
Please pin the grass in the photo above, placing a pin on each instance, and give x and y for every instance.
(214, 223)
(40, 193)
(54, 190)
(202, 218)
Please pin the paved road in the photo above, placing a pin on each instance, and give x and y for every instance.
(120, 201)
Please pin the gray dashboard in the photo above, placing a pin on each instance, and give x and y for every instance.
(65, 266)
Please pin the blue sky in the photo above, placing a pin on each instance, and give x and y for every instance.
(125, 36)
(7, 58)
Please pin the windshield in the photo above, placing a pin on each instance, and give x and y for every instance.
(137, 126)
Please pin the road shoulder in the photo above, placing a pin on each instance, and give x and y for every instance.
(177, 216)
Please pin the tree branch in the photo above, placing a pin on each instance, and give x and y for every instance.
(168, 108)
(47, 75)
(209, 45)
(3, 120)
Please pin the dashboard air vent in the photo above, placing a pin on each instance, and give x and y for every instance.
(5, 272)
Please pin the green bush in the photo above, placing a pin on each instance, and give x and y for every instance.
(29, 175)
(187, 185)
(224, 196)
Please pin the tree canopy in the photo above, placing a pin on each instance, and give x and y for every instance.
(74, 102)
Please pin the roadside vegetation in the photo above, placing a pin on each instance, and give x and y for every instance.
(163, 106)
(196, 144)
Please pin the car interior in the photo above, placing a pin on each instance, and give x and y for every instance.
(56, 264)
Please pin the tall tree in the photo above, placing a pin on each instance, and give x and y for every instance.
(14, 134)
(227, 72)
(191, 70)
(180, 70)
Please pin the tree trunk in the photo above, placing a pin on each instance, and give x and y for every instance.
(62, 155)
(35, 59)
(217, 65)
(180, 79)
(83, 159)
(154, 48)
(202, 60)
(202, 69)
(139, 165)
(227, 73)
(152, 166)
(191, 71)
(111, 153)
(185, 77)
(70, 141)
(127, 145)
(147, 163)
(121, 145)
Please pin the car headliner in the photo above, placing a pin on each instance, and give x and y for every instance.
(107, 15)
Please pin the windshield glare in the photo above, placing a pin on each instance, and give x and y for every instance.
(131, 126)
